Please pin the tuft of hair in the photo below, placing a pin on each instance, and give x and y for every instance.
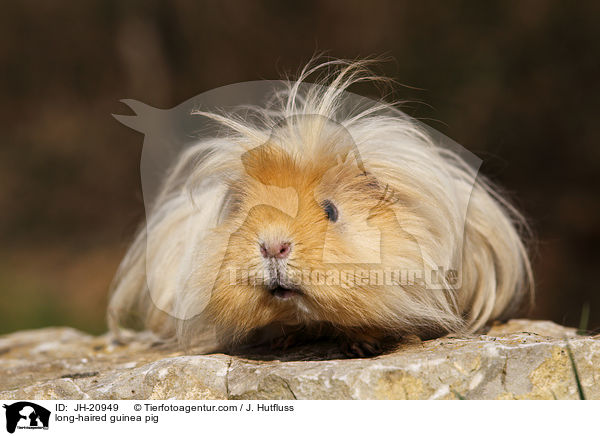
(496, 271)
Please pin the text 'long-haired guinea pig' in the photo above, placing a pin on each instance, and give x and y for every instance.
(304, 211)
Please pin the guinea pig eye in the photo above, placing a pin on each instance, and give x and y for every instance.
(330, 210)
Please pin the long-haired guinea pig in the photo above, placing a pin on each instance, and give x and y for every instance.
(308, 219)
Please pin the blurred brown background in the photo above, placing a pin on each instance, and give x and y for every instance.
(516, 82)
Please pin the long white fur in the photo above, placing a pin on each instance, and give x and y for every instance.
(168, 250)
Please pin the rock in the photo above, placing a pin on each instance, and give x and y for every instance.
(519, 359)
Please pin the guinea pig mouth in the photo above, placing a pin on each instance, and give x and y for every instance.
(284, 293)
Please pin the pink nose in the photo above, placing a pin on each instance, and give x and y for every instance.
(279, 250)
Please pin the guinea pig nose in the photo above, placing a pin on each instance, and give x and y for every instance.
(279, 250)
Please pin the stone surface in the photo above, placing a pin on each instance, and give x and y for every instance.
(519, 359)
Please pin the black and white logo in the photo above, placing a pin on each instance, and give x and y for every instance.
(26, 415)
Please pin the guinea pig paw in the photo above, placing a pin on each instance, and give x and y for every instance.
(363, 347)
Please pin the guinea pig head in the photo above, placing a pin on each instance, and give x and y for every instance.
(295, 226)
